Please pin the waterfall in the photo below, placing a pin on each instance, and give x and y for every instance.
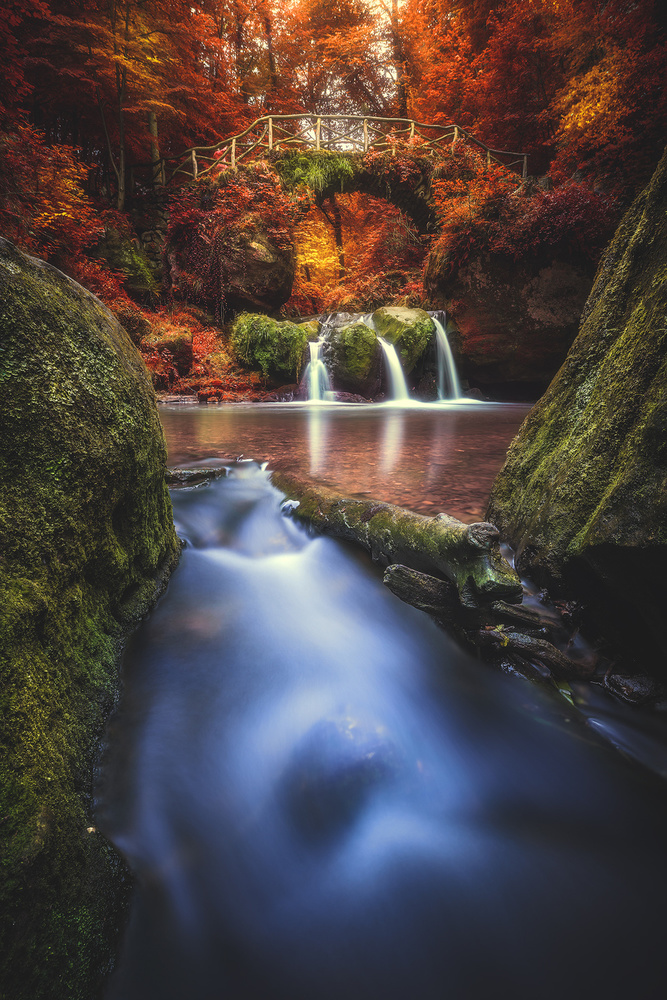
(316, 375)
(397, 384)
(449, 386)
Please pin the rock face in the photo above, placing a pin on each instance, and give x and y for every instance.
(87, 538)
(583, 493)
(514, 323)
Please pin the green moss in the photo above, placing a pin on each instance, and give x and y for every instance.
(354, 349)
(583, 493)
(410, 330)
(275, 347)
(86, 536)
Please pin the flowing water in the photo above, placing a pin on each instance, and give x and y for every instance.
(322, 798)
(398, 389)
(316, 376)
(449, 386)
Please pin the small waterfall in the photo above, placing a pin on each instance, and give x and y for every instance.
(449, 386)
(397, 383)
(316, 375)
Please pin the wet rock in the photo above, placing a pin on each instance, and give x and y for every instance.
(638, 690)
(353, 357)
(87, 540)
(338, 764)
(285, 394)
(583, 494)
(409, 330)
(350, 397)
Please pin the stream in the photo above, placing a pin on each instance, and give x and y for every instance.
(322, 797)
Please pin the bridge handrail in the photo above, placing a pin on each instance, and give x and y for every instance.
(189, 161)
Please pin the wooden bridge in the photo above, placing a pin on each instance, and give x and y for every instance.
(339, 133)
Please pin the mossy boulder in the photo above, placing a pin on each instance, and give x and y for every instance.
(583, 493)
(353, 357)
(277, 347)
(87, 538)
(409, 330)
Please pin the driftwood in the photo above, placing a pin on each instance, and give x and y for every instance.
(502, 631)
(466, 554)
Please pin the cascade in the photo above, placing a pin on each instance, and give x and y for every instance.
(397, 383)
(449, 386)
(316, 375)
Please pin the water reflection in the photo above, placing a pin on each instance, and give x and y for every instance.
(317, 439)
(437, 457)
(322, 798)
(392, 441)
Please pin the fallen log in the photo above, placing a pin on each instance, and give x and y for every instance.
(490, 627)
(531, 649)
(467, 554)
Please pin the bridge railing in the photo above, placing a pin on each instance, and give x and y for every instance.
(339, 133)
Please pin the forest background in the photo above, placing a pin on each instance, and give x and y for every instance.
(96, 93)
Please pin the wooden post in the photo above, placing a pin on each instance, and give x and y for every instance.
(270, 133)
(365, 135)
(234, 151)
(456, 137)
(525, 167)
(193, 157)
(318, 131)
(488, 158)
(412, 131)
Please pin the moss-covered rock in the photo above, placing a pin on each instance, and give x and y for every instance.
(86, 536)
(409, 330)
(274, 346)
(583, 493)
(353, 357)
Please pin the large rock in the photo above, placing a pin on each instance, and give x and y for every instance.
(583, 493)
(277, 347)
(230, 244)
(409, 330)
(87, 537)
(353, 357)
(514, 322)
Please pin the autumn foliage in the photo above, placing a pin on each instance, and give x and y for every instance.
(99, 100)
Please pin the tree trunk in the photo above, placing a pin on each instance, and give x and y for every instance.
(467, 554)
(156, 168)
(398, 59)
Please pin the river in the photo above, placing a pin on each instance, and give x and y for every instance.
(321, 797)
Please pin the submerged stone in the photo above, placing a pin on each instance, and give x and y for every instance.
(87, 540)
(335, 768)
(583, 493)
